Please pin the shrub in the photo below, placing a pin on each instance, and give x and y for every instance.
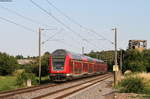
(23, 77)
(17, 72)
(132, 85)
(8, 64)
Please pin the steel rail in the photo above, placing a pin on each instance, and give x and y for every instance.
(101, 78)
(24, 90)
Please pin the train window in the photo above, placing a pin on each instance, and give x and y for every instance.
(58, 63)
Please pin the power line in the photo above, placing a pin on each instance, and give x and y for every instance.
(22, 16)
(66, 26)
(75, 22)
(20, 25)
(70, 45)
(52, 36)
(102, 36)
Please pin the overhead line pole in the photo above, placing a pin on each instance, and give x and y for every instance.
(121, 57)
(40, 55)
(40, 43)
(82, 50)
(116, 64)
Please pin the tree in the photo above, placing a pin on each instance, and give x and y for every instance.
(8, 64)
(146, 54)
(135, 61)
(19, 57)
(45, 64)
(34, 67)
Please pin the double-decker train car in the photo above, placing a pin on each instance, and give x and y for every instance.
(65, 65)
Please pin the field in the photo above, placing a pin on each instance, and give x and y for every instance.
(9, 82)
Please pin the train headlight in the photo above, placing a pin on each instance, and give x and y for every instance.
(67, 74)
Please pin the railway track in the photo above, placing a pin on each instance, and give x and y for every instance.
(59, 94)
(10, 93)
(43, 91)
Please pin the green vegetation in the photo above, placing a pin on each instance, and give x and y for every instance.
(133, 60)
(13, 75)
(132, 85)
(22, 78)
(19, 57)
(7, 83)
(13, 82)
(45, 79)
(136, 61)
(135, 83)
(8, 64)
(33, 67)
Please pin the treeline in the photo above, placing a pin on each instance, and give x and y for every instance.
(133, 60)
(136, 61)
(9, 64)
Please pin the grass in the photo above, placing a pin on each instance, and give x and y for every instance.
(7, 83)
(135, 83)
(44, 80)
(144, 75)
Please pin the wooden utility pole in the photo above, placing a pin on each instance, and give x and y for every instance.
(40, 55)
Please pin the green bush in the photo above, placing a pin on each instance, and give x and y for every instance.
(33, 67)
(8, 64)
(132, 85)
(23, 77)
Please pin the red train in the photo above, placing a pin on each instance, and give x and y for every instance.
(65, 65)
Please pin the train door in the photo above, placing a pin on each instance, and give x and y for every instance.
(80, 67)
(95, 67)
(85, 67)
(71, 66)
(90, 68)
(99, 67)
(76, 70)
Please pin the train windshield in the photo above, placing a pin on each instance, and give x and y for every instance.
(58, 63)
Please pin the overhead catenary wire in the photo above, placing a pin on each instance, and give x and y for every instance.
(52, 36)
(75, 22)
(20, 25)
(22, 16)
(70, 45)
(56, 19)
(59, 40)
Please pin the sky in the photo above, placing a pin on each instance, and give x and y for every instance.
(130, 17)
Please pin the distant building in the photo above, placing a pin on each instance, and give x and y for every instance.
(25, 61)
(138, 44)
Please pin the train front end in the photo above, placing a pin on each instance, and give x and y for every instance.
(59, 65)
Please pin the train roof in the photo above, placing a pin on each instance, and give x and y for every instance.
(63, 52)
